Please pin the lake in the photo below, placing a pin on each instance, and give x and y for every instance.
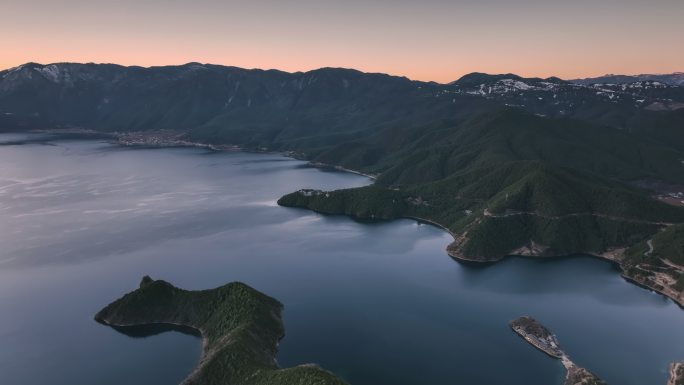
(377, 303)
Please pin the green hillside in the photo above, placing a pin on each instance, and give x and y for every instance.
(506, 207)
(240, 327)
(667, 245)
(670, 244)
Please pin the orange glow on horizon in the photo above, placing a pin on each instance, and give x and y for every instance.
(414, 71)
(435, 41)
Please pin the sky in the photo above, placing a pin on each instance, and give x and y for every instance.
(438, 40)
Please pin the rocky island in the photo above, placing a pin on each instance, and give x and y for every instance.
(240, 329)
(676, 374)
(541, 338)
(537, 335)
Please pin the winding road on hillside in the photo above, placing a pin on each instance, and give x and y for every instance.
(487, 213)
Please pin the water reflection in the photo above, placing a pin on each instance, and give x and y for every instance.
(149, 330)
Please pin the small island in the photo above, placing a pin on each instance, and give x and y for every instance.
(537, 335)
(541, 338)
(240, 329)
(676, 374)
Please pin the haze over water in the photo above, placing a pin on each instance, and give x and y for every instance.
(377, 303)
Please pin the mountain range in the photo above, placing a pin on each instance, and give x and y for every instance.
(509, 165)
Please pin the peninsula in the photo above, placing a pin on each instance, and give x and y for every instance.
(485, 218)
(240, 329)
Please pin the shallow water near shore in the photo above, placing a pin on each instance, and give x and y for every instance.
(377, 303)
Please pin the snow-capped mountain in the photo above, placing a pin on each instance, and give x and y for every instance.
(675, 79)
(555, 97)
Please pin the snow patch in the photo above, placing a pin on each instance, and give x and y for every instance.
(517, 84)
(51, 72)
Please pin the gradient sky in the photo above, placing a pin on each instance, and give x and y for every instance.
(436, 40)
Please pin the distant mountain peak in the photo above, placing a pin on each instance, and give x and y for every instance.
(673, 79)
(477, 78)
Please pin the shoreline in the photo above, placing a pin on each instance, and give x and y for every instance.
(337, 168)
(611, 256)
(205, 342)
(173, 140)
(176, 142)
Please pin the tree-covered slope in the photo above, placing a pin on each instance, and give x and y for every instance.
(669, 245)
(511, 206)
(240, 328)
(436, 151)
(515, 183)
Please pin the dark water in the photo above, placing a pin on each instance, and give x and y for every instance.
(82, 222)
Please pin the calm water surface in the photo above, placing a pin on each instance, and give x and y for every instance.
(82, 221)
